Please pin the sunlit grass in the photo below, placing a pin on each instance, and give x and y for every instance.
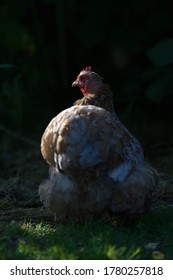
(28, 230)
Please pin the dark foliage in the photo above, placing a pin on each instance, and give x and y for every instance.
(43, 45)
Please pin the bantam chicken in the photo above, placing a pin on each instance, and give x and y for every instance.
(90, 174)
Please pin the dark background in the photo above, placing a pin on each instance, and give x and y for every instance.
(44, 44)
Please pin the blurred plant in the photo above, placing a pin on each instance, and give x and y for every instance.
(160, 75)
(49, 41)
(11, 102)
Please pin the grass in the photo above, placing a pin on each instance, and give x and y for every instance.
(28, 230)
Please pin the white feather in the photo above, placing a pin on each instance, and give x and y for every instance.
(120, 173)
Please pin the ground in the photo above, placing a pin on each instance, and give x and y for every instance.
(28, 230)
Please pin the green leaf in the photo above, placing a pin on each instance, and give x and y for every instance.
(7, 66)
(162, 53)
(155, 72)
(15, 36)
(159, 89)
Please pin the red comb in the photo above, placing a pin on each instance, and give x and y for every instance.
(87, 69)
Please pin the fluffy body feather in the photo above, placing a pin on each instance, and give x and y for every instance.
(86, 148)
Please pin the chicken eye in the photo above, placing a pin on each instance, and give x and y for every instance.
(82, 78)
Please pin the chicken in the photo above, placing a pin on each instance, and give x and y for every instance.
(89, 172)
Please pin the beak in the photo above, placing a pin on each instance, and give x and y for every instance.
(75, 84)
